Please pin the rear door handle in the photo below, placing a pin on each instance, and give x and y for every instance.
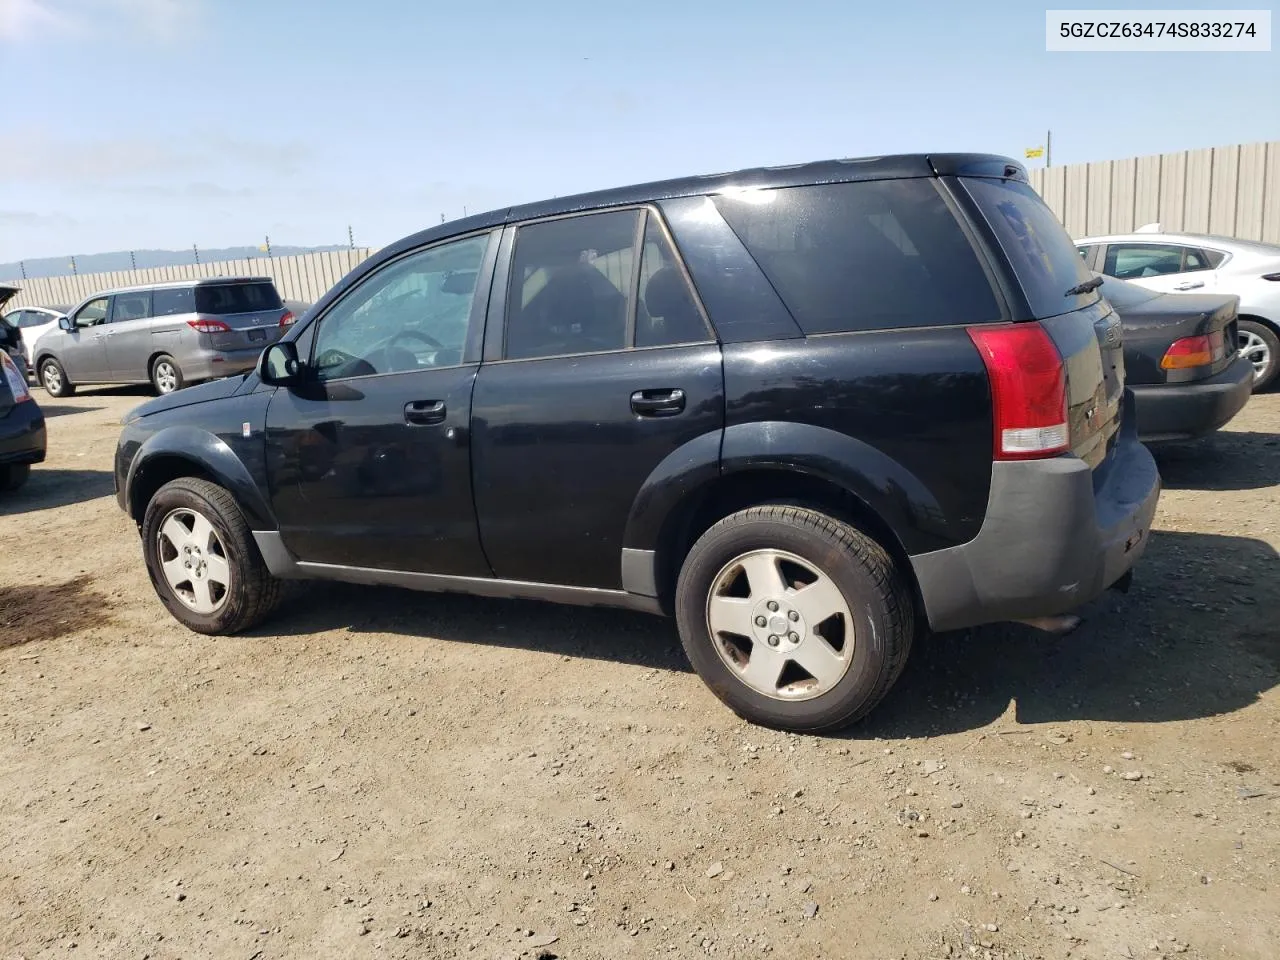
(424, 412)
(658, 403)
(1190, 285)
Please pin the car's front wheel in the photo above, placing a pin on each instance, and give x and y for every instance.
(54, 379)
(202, 560)
(1261, 347)
(794, 619)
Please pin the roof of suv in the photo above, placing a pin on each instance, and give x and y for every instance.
(889, 167)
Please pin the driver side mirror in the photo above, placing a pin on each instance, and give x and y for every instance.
(279, 365)
(67, 324)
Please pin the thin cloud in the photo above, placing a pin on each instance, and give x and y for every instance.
(39, 20)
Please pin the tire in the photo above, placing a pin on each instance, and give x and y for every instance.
(796, 543)
(171, 524)
(14, 475)
(54, 379)
(1260, 344)
(166, 375)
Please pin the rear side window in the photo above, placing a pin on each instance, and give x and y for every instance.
(131, 306)
(168, 303)
(228, 298)
(1044, 259)
(863, 256)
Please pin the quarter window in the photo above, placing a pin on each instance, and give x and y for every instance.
(571, 281)
(173, 301)
(93, 312)
(666, 313)
(413, 314)
(863, 256)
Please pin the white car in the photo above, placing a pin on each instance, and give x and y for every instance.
(34, 322)
(1197, 263)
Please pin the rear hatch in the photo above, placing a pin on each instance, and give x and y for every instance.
(1173, 337)
(239, 314)
(1061, 293)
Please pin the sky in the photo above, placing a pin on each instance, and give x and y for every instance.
(134, 124)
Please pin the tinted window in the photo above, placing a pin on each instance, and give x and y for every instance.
(1215, 257)
(570, 285)
(1124, 295)
(1136, 260)
(95, 311)
(863, 256)
(175, 300)
(227, 298)
(665, 311)
(1042, 255)
(131, 306)
(413, 314)
(33, 318)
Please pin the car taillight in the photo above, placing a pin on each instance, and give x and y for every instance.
(17, 382)
(205, 325)
(287, 318)
(1194, 352)
(1028, 390)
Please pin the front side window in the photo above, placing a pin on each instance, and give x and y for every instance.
(131, 306)
(413, 314)
(862, 256)
(570, 286)
(93, 312)
(173, 301)
(1130, 261)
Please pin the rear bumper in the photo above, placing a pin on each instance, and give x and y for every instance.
(1181, 411)
(22, 434)
(209, 364)
(1050, 540)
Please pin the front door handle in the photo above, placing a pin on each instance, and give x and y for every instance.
(424, 412)
(1190, 285)
(658, 403)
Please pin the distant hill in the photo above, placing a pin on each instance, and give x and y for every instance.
(105, 262)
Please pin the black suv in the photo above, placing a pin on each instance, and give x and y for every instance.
(807, 410)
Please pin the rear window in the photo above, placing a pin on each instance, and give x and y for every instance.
(226, 298)
(1043, 257)
(863, 256)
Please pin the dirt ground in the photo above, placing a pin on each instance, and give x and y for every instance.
(378, 773)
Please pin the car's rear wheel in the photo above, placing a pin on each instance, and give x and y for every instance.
(1261, 347)
(166, 375)
(794, 619)
(202, 560)
(54, 379)
(14, 475)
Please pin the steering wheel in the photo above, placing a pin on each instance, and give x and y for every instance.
(416, 335)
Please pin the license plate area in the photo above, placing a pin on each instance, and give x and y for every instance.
(257, 335)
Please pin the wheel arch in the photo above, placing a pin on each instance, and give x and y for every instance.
(1270, 323)
(187, 451)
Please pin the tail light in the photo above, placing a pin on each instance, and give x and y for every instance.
(1198, 351)
(287, 318)
(17, 382)
(205, 325)
(1028, 390)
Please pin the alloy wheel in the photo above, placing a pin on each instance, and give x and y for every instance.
(194, 560)
(780, 624)
(1254, 349)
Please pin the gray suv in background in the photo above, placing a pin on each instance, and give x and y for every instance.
(166, 334)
